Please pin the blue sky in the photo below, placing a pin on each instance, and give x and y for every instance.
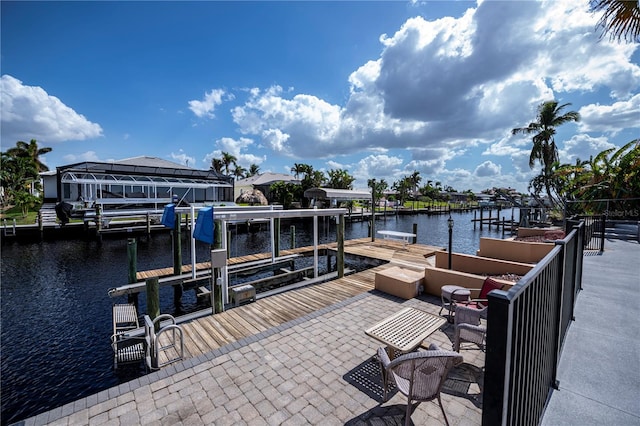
(377, 88)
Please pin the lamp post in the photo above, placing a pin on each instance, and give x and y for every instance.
(450, 224)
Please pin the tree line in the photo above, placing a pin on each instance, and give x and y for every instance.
(20, 183)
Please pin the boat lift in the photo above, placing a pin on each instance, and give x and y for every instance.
(225, 216)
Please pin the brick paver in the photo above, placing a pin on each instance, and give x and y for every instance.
(302, 374)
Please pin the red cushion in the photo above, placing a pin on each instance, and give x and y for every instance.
(488, 285)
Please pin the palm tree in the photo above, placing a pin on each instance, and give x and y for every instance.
(239, 172)
(544, 147)
(298, 169)
(414, 179)
(217, 165)
(340, 179)
(621, 18)
(228, 160)
(254, 169)
(30, 150)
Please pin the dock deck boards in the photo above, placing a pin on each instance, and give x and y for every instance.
(213, 331)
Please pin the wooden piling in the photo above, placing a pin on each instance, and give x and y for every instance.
(340, 244)
(132, 260)
(292, 235)
(481, 221)
(276, 238)
(415, 232)
(153, 297)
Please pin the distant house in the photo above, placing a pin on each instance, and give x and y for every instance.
(262, 182)
(148, 182)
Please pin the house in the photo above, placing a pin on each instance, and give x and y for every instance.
(138, 182)
(262, 182)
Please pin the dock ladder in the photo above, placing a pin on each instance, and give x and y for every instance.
(8, 230)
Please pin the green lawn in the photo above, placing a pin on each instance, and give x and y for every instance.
(16, 213)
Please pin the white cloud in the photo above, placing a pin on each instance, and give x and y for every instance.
(238, 148)
(85, 156)
(582, 147)
(487, 168)
(205, 107)
(29, 112)
(450, 83)
(611, 118)
(182, 158)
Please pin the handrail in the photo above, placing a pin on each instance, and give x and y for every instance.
(526, 326)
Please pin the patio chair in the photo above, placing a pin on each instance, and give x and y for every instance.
(468, 327)
(418, 375)
(481, 302)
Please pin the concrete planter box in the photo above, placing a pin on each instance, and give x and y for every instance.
(536, 232)
(480, 265)
(399, 282)
(516, 251)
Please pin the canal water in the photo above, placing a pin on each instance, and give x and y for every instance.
(56, 314)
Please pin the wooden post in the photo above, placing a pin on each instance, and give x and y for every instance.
(293, 237)
(99, 222)
(148, 224)
(153, 297)
(276, 237)
(475, 212)
(132, 257)
(177, 247)
(481, 210)
(340, 252)
(415, 231)
(373, 214)
(40, 224)
(177, 260)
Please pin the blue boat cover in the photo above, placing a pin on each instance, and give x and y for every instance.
(204, 226)
(169, 216)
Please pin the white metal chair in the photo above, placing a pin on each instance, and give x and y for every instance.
(418, 375)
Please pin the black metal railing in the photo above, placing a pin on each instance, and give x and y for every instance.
(526, 326)
(595, 227)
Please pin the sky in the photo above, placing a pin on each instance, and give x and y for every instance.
(378, 88)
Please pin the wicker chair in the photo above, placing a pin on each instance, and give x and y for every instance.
(418, 375)
(468, 327)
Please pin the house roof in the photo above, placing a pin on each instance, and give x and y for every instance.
(152, 162)
(337, 194)
(144, 166)
(266, 178)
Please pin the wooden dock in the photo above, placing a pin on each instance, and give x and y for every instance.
(381, 249)
(209, 332)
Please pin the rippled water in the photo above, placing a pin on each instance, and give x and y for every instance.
(56, 314)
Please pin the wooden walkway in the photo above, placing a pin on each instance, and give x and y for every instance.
(387, 250)
(213, 331)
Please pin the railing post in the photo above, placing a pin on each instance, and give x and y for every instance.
(497, 359)
(603, 225)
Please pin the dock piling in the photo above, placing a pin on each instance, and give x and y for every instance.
(153, 297)
(132, 258)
